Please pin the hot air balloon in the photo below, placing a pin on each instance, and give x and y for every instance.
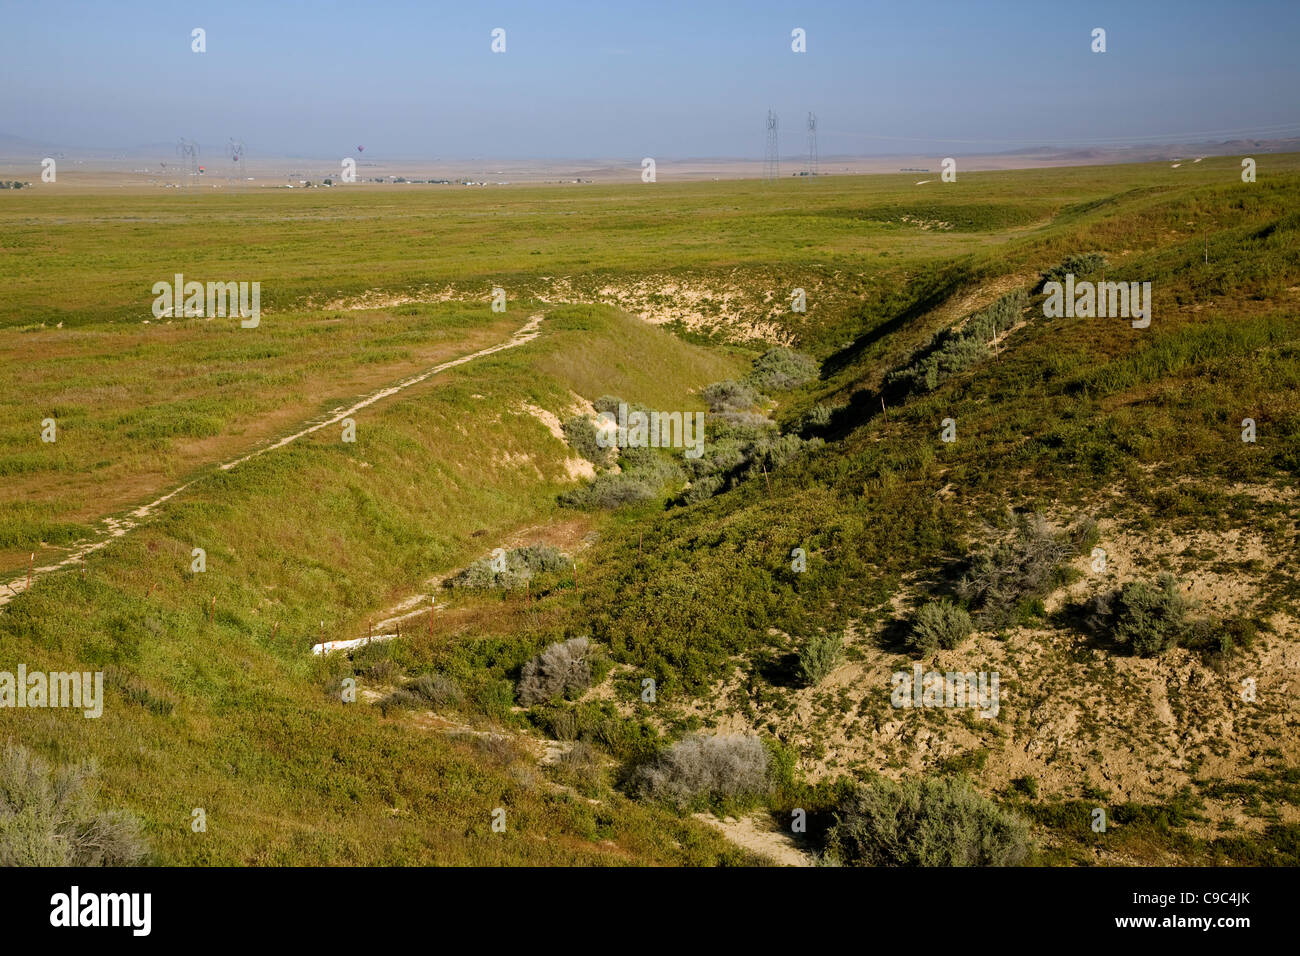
(361, 149)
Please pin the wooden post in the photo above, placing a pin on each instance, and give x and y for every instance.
(151, 590)
(30, 562)
(882, 409)
(767, 479)
(212, 609)
(275, 627)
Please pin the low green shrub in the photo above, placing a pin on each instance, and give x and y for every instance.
(938, 624)
(1078, 264)
(729, 396)
(957, 349)
(48, 817)
(819, 656)
(779, 369)
(520, 565)
(929, 822)
(580, 434)
(1004, 581)
(1149, 619)
(438, 690)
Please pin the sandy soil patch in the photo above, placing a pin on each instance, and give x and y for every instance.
(757, 834)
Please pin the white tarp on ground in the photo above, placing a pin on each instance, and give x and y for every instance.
(330, 646)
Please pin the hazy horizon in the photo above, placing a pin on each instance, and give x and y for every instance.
(414, 82)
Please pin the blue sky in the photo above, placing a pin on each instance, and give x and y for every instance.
(665, 79)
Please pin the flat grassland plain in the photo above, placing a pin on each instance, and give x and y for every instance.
(648, 292)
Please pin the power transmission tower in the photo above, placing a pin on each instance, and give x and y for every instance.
(772, 158)
(236, 151)
(812, 144)
(188, 151)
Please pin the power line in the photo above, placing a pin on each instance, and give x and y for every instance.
(1250, 132)
(772, 157)
(188, 151)
(812, 144)
(236, 152)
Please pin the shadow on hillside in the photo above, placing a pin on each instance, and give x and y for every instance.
(1088, 618)
(893, 636)
(845, 357)
(863, 406)
(779, 668)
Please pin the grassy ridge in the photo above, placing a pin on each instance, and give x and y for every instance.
(224, 716)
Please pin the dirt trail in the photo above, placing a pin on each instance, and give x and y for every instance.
(117, 527)
(756, 834)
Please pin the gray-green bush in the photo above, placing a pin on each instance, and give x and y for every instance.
(705, 767)
(938, 624)
(1023, 568)
(1078, 264)
(580, 434)
(729, 396)
(819, 416)
(957, 349)
(781, 368)
(703, 487)
(819, 656)
(438, 690)
(929, 822)
(48, 817)
(1149, 619)
(521, 565)
(563, 669)
(643, 478)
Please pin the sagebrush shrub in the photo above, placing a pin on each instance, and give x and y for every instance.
(729, 396)
(1148, 618)
(740, 424)
(611, 491)
(607, 403)
(48, 817)
(938, 624)
(819, 416)
(1079, 264)
(703, 487)
(703, 767)
(929, 822)
(645, 474)
(955, 350)
(581, 435)
(402, 698)
(1022, 568)
(781, 451)
(781, 368)
(819, 657)
(521, 565)
(438, 690)
(563, 669)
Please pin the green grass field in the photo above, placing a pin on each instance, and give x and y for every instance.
(215, 701)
